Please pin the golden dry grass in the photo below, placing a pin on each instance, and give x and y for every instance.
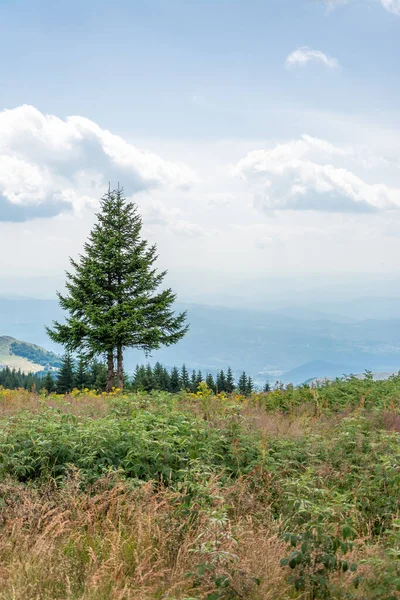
(115, 542)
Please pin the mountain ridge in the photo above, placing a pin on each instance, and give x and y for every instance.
(26, 356)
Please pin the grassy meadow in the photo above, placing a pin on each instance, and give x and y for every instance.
(288, 494)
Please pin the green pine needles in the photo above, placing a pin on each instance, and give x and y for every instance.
(113, 299)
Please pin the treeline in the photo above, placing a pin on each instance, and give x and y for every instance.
(147, 378)
(76, 374)
(71, 375)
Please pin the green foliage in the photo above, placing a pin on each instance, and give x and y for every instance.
(316, 554)
(113, 299)
(161, 444)
(66, 377)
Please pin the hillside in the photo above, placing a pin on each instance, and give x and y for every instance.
(25, 356)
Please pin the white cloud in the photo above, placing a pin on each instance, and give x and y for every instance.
(308, 174)
(392, 6)
(222, 199)
(155, 212)
(49, 165)
(303, 55)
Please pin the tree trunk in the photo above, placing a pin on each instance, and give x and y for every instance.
(110, 371)
(120, 368)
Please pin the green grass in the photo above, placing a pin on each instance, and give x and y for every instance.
(291, 494)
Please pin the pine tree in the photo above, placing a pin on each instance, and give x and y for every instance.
(165, 380)
(242, 384)
(185, 381)
(148, 378)
(158, 373)
(112, 297)
(221, 382)
(267, 387)
(81, 377)
(249, 386)
(210, 382)
(65, 378)
(175, 381)
(230, 382)
(48, 382)
(193, 382)
(199, 378)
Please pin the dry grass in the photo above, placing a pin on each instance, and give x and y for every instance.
(115, 542)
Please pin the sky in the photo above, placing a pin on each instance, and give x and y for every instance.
(259, 138)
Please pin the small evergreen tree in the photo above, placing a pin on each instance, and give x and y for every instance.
(175, 381)
(158, 373)
(221, 382)
(267, 387)
(199, 379)
(185, 381)
(249, 386)
(65, 378)
(193, 382)
(242, 384)
(81, 376)
(48, 382)
(210, 382)
(230, 382)
(148, 378)
(112, 297)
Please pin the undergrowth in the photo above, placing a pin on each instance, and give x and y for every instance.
(290, 494)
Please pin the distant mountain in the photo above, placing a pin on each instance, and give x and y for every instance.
(266, 344)
(25, 356)
(317, 369)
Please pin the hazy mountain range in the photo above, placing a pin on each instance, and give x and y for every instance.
(292, 344)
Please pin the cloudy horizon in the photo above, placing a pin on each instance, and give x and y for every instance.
(259, 142)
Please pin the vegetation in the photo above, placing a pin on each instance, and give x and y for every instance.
(291, 493)
(35, 354)
(113, 299)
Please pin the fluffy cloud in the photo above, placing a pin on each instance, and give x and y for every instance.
(155, 212)
(49, 165)
(304, 55)
(392, 6)
(223, 199)
(308, 174)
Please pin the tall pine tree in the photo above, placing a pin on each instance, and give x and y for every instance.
(65, 378)
(185, 381)
(230, 382)
(113, 299)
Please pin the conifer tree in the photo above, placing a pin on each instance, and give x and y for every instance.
(185, 381)
(65, 378)
(113, 299)
(199, 378)
(210, 382)
(193, 382)
(230, 382)
(148, 378)
(267, 387)
(80, 375)
(158, 373)
(175, 381)
(221, 382)
(48, 382)
(242, 384)
(249, 386)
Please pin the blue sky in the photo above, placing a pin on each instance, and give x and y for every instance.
(275, 122)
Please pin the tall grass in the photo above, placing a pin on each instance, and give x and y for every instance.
(291, 494)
